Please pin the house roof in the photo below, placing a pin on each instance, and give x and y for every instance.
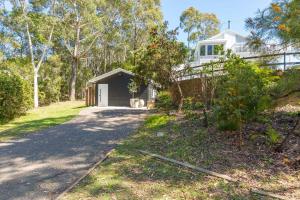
(220, 37)
(108, 74)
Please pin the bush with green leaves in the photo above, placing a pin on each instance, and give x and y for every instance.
(50, 81)
(15, 95)
(242, 92)
(288, 83)
(164, 101)
(190, 103)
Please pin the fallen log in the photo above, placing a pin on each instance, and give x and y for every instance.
(228, 178)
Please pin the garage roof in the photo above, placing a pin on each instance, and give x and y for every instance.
(108, 74)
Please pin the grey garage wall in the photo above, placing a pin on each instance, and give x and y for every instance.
(118, 92)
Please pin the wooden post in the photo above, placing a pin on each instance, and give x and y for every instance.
(87, 96)
(284, 61)
(90, 96)
(94, 95)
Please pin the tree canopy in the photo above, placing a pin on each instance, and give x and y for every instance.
(198, 25)
(73, 39)
(279, 21)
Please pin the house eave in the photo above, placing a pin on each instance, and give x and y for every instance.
(108, 74)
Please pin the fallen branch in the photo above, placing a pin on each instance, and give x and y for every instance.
(269, 194)
(60, 196)
(190, 166)
(212, 173)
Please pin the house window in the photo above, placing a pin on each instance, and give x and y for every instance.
(209, 50)
(202, 50)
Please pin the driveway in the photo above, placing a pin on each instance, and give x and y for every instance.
(42, 165)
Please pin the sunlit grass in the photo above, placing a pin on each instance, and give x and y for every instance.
(127, 174)
(41, 118)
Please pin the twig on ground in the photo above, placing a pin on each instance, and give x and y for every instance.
(269, 194)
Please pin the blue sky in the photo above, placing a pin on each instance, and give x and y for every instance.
(234, 10)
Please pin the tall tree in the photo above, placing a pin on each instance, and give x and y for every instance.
(33, 21)
(279, 21)
(81, 26)
(89, 37)
(198, 25)
(161, 61)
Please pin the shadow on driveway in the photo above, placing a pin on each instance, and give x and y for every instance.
(41, 165)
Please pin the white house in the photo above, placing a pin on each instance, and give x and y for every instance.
(206, 50)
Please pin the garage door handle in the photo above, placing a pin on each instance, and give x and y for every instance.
(100, 95)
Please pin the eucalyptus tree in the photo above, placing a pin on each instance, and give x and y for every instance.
(126, 28)
(139, 17)
(30, 26)
(80, 27)
(198, 25)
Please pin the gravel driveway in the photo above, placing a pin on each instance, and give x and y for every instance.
(42, 165)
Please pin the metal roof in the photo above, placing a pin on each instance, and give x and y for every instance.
(108, 74)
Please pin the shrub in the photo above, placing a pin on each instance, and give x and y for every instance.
(289, 82)
(242, 93)
(190, 103)
(164, 101)
(272, 136)
(15, 95)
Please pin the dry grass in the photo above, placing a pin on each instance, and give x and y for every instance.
(130, 175)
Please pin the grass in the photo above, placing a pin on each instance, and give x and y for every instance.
(129, 175)
(41, 118)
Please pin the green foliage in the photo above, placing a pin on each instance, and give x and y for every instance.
(242, 93)
(191, 103)
(188, 103)
(280, 20)
(198, 25)
(15, 95)
(164, 101)
(50, 81)
(272, 136)
(157, 121)
(105, 39)
(290, 81)
(156, 62)
(132, 87)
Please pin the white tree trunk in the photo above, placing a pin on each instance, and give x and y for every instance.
(35, 89)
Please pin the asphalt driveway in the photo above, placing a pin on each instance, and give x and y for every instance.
(42, 165)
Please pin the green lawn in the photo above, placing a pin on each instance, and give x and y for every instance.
(127, 174)
(40, 118)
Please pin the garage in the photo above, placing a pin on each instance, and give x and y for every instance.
(111, 89)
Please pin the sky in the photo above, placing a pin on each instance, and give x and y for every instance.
(234, 10)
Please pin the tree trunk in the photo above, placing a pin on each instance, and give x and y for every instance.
(181, 97)
(72, 87)
(205, 122)
(35, 89)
